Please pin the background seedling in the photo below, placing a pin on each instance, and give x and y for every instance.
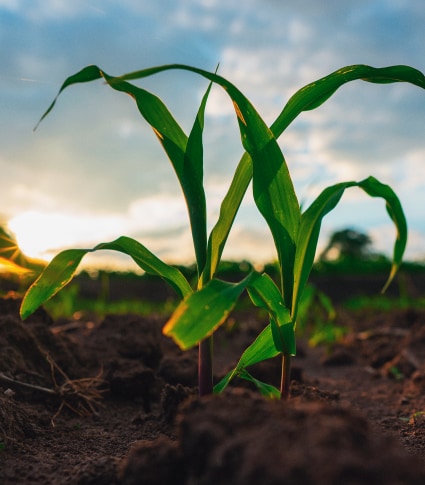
(295, 234)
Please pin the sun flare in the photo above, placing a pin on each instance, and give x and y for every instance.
(37, 233)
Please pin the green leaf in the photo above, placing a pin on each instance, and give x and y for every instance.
(308, 236)
(261, 349)
(56, 275)
(316, 93)
(265, 294)
(208, 307)
(374, 188)
(149, 263)
(311, 222)
(266, 390)
(275, 198)
(63, 266)
(193, 185)
(228, 210)
(185, 154)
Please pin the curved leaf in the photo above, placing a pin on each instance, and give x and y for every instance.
(185, 154)
(316, 93)
(375, 188)
(266, 390)
(63, 266)
(311, 222)
(261, 349)
(55, 276)
(265, 294)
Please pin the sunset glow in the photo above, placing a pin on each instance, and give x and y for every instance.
(41, 235)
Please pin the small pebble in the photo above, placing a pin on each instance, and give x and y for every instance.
(9, 392)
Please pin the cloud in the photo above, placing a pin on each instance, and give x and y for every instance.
(39, 10)
(95, 155)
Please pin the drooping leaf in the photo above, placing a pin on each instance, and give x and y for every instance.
(375, 188)
(60, 271)
(266, 390)
(311, 222)
(55, 276)
(150, 263)
(185, 154)
(316, 93)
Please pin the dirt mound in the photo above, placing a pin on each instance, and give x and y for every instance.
(115, 403)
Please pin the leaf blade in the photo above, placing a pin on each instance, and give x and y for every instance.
(59, 272)
(311, 221)
(208, 306)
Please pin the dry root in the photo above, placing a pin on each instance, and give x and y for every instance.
(81, 396)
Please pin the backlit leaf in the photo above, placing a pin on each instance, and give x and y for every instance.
(316, 93)
(311, 222)
(60, 271)
(209, 307)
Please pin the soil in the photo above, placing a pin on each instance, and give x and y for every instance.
(115, 402)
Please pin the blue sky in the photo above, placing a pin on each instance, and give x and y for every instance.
(94, 170)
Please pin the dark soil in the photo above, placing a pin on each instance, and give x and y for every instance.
(115, 402)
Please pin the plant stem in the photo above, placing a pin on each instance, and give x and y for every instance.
(286, 376)
(205, 371)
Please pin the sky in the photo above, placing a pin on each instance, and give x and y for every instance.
(94, 170)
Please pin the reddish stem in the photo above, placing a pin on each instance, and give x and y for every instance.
(285, 377)
(205, 371)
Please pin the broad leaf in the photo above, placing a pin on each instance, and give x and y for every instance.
(208, 307)
(63, 266)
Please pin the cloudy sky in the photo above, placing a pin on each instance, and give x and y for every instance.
(94, 170)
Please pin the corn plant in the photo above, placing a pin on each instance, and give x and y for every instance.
(204, 308)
